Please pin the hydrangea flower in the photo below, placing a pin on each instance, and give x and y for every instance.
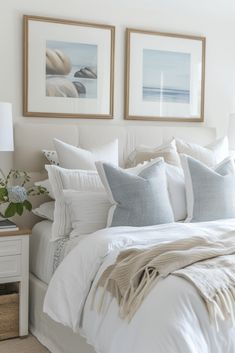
(17, 194)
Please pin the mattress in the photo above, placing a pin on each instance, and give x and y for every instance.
(45, 255)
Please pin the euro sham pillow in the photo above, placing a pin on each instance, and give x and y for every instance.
(145, 153)
(210, 192)
(62, 179)
(71, 157)
(45, 210)
(88, 211)
(139, 199)
(210, 155)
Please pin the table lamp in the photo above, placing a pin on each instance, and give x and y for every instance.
(6, 128)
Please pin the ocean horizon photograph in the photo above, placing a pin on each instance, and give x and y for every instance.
(166, 76)
(71, 69)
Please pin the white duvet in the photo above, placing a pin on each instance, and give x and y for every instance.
(173, 317)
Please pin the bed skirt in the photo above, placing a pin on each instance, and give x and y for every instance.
(57, 338)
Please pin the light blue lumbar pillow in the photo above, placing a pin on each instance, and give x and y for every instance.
(210, 192)
(139, 196)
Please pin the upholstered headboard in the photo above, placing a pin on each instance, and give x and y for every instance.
(31, 138)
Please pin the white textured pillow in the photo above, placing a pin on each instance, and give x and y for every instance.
(60, 179)
(47, 185)
(177, 192)
(45, 210)
(88, 211)
(72, 157)
(210, 155)
(145, 153)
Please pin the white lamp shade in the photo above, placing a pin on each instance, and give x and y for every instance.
(6, 127)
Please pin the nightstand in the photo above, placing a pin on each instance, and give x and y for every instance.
(14, 268)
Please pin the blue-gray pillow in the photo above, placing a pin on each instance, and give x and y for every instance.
(139, 196)
(210, 192)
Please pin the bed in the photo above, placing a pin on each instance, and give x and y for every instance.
(54, 335)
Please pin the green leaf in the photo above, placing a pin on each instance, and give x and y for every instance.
(3, 194)
(19, 209)
(27, 205)
(11, 210)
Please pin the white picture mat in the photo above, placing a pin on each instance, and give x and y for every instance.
(38, 33)
(139, 107)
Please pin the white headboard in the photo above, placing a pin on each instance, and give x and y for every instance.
(31, 138)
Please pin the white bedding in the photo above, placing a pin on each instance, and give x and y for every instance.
(42, 251)
(44, 254)
(172, 319)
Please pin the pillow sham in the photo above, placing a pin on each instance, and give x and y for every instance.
(176, 188)
(139, 199)
(60, 179)
(210, 192)
(177, 192)
(45, 210)
(88, 211)
(51, 156)
(210, 155)
(144, 153)
(72, 157)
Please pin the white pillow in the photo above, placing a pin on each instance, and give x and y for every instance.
(72, 157)
(45, 210)
(145, 153)
(210, 155)
(47, 185)
(88, 211)
(177, 192)
(60, 178)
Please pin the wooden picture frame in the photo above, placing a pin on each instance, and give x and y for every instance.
(164, 76)
(68, 68)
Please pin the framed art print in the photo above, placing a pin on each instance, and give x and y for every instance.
(165, 76)
(68, 68)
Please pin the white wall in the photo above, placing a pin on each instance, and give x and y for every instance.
(212, 18)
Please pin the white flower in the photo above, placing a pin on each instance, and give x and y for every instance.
(17, 194)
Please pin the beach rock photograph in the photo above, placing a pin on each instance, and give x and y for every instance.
(71, 70)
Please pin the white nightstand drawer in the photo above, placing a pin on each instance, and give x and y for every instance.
(10, 266)
(10, 247)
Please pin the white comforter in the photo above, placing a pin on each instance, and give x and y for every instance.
(172, 319)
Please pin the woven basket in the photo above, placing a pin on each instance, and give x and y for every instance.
(9, 316)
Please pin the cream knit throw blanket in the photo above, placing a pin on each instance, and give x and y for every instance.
(208, 262)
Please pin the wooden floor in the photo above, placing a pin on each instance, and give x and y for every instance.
(24, 345)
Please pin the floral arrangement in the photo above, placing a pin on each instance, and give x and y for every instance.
(15, 194)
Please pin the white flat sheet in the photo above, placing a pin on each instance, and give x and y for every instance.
(42, 251)
(44, 254)
(173, 317)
